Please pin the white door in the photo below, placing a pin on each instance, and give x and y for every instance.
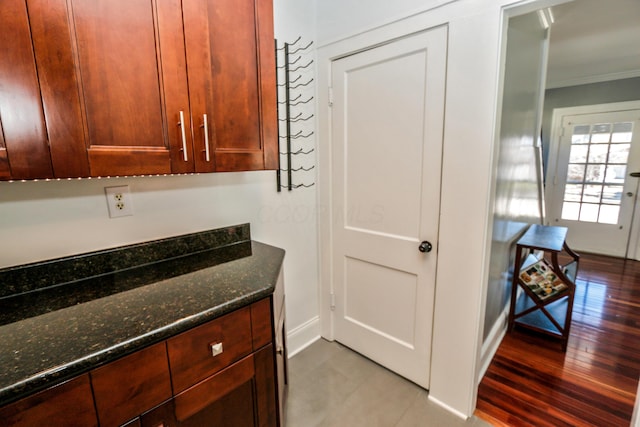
(593, 194)
(387, 130)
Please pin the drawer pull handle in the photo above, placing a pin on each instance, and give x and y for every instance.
(206, 138)
(216, 349)
(184, 137)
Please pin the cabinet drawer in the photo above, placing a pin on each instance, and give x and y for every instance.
(128, 387)
(261, 328)
(68, 404)
(202, 351)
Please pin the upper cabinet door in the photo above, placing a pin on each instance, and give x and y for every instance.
(231, 71)
(104, 88)
(24, 150)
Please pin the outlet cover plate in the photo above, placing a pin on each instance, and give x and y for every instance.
(119, 201)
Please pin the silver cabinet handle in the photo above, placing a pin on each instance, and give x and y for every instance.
(216, 349)
(206, 138)
(184, 137)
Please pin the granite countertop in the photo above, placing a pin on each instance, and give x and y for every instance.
(39, 351)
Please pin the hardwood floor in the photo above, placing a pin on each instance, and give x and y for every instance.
(532, 382)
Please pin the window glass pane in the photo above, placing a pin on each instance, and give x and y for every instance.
(592, 193)
(573, 192)
(580, 134)
(589, 213)
(595, 173)
(579, 154)
(575, 173)
(622, 132)
(619, 153)
(609, 214)
(570, 211)
(615, 174)
(598, 153)
(612, 194)
(601, 133)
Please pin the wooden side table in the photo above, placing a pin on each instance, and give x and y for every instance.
(548, 288)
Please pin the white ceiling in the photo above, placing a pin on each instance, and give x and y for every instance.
(594, 40)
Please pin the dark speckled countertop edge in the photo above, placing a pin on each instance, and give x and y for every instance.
(225, 287)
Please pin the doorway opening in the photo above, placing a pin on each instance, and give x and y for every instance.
(589, 187)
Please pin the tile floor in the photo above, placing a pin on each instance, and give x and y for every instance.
(330, 385)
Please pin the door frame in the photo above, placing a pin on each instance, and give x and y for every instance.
(552, 159)
(455, 363)
(326, 55)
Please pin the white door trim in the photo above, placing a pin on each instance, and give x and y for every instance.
(554, 145)
(471, 98)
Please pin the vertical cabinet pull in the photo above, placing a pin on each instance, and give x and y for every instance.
(184, 137)
(206, 138)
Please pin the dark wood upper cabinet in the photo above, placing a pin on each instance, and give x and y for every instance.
(132, 87)
(231, 71)
(24, 150)
(59, 86)
(102, 88)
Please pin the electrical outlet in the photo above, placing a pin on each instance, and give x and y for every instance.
(119, 201)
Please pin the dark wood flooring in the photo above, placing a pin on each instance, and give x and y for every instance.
(531, 382)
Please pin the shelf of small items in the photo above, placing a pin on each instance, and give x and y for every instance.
(548, 288)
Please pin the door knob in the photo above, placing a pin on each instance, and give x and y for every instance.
(425, 247)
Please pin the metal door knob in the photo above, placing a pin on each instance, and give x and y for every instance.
(425, 246)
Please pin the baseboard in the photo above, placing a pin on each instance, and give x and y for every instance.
(635, 418)
(447, 407)
(303, 336)
(491, 344)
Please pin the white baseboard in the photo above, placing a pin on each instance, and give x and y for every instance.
(635, 419)
(303, 336)
(491, 344)
(447, 407)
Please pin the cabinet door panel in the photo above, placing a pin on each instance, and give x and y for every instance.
(118, 57)
(234, 409)
(267, 409)
(25, 137)
(268, 98)
(205, 394)
(223, 58)
(176, 93)
(59, 86)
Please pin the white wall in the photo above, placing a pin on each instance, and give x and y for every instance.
(518, 184)
(339, 18)
(43, 220)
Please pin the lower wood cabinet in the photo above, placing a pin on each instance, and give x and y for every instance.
(129, 386)
(220, 373)
(241, 395)
(70, 403)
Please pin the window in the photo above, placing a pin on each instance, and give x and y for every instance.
(596, 172)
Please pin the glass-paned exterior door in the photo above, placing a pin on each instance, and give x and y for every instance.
(596, 172)
(591, 191)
